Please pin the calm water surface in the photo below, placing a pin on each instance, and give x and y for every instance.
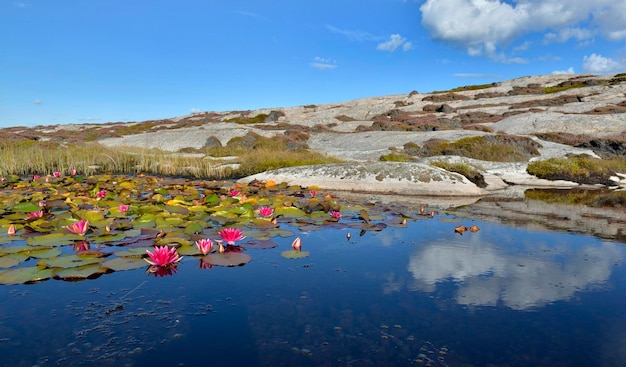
(421, 295)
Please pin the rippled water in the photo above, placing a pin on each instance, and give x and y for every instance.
(421, 295)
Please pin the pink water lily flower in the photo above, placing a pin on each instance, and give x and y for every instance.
(38, 214)
(79, 227)
(233, 193)
(163, 256)
(101, 194)
(36, 177)
(73, 171)
(56, 174)
(313, 192)
(204, 245)
(265, 211)
(296, 245)
(230, 235)
(335, 214)
(123, 208)
(11, 230)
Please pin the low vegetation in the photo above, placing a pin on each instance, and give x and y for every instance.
(28, 157)
(258, 119)
(464, 169)
(578, 168)
(395, 157)
(495, 148)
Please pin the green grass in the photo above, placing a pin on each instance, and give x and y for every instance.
(394, 157)
(562, 87)
(495, 148)
(28, 157)
(258, 119)
(578, 168)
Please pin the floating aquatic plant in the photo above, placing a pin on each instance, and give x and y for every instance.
(166, 212)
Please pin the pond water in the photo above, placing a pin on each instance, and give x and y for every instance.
(420, 295)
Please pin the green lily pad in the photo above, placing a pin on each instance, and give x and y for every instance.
(8, 262)
(194, 227)
(68, 261)
(26, 207)
(227, 259)
(172, 241)
(289, 211)
(106, 238)
(176, 209)
(79, 272)
(53, 239)
(124, 263)
(188, 251)
(259, 245)
(293, 254)
(133, 252)
(43, 253)
(24, 275)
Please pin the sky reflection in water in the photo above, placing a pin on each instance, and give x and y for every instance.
(502, 295)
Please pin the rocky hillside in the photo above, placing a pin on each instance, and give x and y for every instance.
(535, 117)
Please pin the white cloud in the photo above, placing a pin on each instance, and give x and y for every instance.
(598, 64)
(483, 27)
(395, 41)
(569, 70)
(566, 34)
(195, 110)
(37, 101)
(353, 35)
(323, 63)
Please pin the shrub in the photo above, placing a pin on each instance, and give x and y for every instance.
(464, 169)
(394, 157)
(495, 148)
(578, 168)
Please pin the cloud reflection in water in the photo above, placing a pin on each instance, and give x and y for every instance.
(523, 276)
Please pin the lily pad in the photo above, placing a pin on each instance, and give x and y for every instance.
(26, 207)
(293, 254)
(259, 245)
(289, 211)
(105, 238)
(124, 263)
(8, 262)
(227, 259)
(133, 252)
(80, 272)
(68, 261)
(24, 275)
(53, 239)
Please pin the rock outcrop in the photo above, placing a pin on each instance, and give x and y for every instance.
(585, 107)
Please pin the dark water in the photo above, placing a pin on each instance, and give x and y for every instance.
(421, 295)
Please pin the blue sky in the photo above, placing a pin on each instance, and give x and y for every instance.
(96, 61)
